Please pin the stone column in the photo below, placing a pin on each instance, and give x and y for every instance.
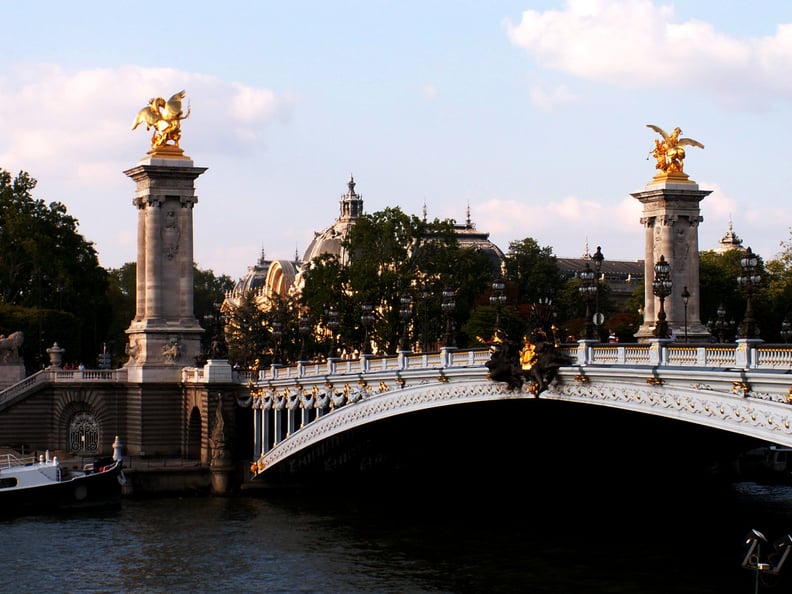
(649, 305)
(140, 275)
(165, 335)
(671, 216)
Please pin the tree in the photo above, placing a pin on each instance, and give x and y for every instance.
(533, 270)
(718, 286)
(246, 332)
(394, 256)
(778, 290)
(48, 265)
(121, 294)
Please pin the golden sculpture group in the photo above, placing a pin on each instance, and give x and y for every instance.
(165, 117)
(669, 153)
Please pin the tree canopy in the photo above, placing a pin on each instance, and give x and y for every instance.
(399, 265)
(48, 265)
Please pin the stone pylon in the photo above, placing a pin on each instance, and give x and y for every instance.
(164, 336)
(671, 216)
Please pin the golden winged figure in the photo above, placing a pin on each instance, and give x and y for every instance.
(165, 117)
(669, 153)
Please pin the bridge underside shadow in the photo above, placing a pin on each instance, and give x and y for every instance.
(535, 447)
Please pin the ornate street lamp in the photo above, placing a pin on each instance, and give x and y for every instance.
(304, 329)
(448, 304)
(721, 326)
(405, 313)
(685, 299)
(423, 295)
(597, 258)
(277, 334)
(367, 319)
(333, 324)
(587, 291)
(661, 286)
(498, 300)
(786, 330)
(749, 281)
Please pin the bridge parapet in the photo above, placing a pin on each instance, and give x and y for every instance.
(744, 355)
(745, 388)
(52, 376)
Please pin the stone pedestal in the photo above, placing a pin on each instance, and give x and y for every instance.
(221, 465)
(671, 216)
(11, 374)
(218, 371)
(164, 335)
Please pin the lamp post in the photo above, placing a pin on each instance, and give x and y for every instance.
(497, 300)
(333, 324)
(424, 295)
(721, 325)
(304, 329)
(277, 334)
(405, 313)
(448, 304)
(786, 330)
(587, 291)
(367, 319)
(749, 281)
(685, 299)
(661, 286)
(597, 258)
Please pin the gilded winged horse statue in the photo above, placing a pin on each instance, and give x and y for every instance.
(669, 153)
(165, 117)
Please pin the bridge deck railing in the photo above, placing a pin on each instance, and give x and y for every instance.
(745, 354)
(365, 364)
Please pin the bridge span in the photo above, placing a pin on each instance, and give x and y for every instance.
(744, 388)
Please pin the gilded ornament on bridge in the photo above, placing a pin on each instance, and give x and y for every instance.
(535, 360)
(165, 118)
(669, 153)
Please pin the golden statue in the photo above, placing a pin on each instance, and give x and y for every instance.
(669, 153)
(528, 355)
(165, 117)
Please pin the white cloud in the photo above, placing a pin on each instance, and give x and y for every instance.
(546, 98)
(429, 91)
(719, 203)
(565, 224)
(638, 44)
(83, 118)
(71, 130)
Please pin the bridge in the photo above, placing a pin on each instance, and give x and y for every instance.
(743, 388)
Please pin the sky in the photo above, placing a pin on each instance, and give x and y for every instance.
(531, 114)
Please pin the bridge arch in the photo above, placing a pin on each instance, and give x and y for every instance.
(755, 403)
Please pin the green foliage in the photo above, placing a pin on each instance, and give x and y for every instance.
(247, 333)
(392, 255)
(48, 265)
(533, 270)
(121, 294)
(777, 291)
(42, 328)
(718, 281)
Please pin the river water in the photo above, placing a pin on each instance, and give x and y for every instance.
(407, 541)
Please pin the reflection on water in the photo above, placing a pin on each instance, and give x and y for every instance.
(409, 541)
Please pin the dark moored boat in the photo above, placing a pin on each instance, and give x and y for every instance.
(28, 485)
